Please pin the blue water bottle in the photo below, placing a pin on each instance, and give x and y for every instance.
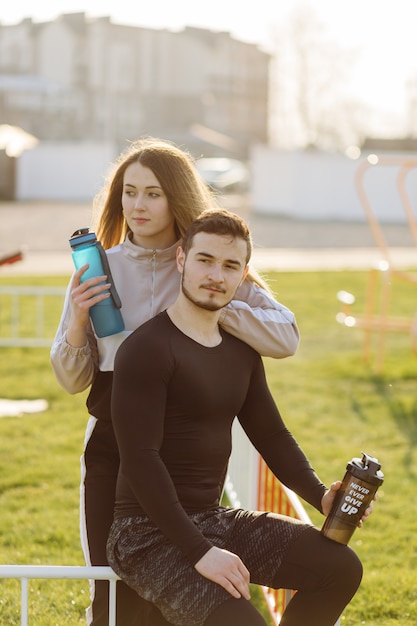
(105, 315)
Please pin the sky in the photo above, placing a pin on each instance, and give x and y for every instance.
(381, 32)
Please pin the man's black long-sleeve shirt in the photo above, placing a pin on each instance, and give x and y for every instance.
(173, 405)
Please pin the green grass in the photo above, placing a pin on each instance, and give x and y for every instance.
(332, 401)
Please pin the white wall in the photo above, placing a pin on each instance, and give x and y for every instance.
(302, 185)
(314, 185)
(63, 170)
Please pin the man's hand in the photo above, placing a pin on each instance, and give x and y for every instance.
(328, 499)
(225, 569)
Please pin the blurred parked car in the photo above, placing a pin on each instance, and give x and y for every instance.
(224, 175)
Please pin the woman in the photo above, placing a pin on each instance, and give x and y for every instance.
(148, 202)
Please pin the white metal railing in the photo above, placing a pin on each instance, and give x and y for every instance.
(19, 331)
(72, 572)
(242, 481)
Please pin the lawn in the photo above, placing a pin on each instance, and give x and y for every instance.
(332, 401)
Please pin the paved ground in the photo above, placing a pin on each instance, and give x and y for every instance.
(42, 230)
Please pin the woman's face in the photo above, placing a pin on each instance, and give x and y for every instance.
(146, 210)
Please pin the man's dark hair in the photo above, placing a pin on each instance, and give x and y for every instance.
(218, 222)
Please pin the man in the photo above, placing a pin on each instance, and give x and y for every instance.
(179, 382)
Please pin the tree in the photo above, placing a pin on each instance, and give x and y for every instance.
(310, 106)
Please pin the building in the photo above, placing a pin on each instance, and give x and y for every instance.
(89, 79)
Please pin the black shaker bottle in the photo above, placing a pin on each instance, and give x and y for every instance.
(360, 483)
(106, 316)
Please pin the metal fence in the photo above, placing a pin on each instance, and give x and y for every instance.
(26, 572)
(28, 315)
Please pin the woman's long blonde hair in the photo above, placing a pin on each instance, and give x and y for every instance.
(186, 192)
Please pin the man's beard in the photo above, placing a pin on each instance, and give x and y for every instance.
(207, 306)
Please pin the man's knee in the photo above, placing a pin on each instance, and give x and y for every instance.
(348, 567)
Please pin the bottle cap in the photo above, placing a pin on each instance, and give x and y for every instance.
(81, 237)
(367, 468)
